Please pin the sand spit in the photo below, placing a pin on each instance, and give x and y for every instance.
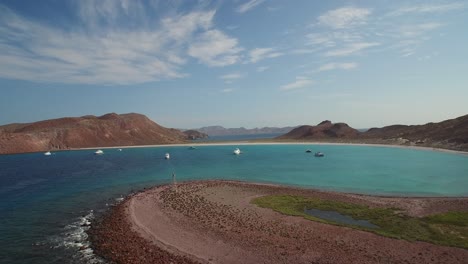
(214, 222)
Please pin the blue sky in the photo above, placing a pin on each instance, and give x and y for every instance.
(250, 63)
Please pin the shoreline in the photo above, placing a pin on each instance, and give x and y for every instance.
(213, 221)
(246, 143)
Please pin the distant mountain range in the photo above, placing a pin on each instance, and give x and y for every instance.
(221, 131)
(449, 134)
(135, 129)
(86, 131)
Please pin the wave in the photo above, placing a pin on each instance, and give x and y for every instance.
(74, 240)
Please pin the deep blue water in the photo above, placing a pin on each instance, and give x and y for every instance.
(45, 199)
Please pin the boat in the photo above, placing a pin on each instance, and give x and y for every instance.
(192, 147)
(99, 152)
(308, 151)
(319, 154)
(237, 151)
(167, 156)
(120, 149)
(47, 153)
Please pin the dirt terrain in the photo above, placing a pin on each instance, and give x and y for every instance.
(214, 222)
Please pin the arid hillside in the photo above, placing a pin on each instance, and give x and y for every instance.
(86, 131)
(324, 130)
(448, 134)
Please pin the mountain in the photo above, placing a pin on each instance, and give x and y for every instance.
(452, 133)
(87, 131)
(449, 134)
(194, 134)
(324, 130)
(221, 131)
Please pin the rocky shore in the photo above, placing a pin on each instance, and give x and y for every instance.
(214, 222)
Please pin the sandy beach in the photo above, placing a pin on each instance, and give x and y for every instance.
(215, 222)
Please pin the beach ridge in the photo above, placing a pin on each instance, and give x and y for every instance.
(214, 222)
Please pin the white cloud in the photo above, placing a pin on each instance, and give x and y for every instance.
(227, 90)
(108, 52)
(429, 8)
(262, 68)
(214, 48)
(231, 76)
(337, 65)
(300, 82)
(351, 49)
(418, 29)
(331, 39)
(259, 54)
(249, 5)
(344, 17)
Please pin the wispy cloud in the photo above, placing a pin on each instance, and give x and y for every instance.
(338, 66)
(259, 54)
(108, 52)
(344, 17)
(214, 48)
(351, 49)
(229, 78)
(249, 5)
(227, 90)
(300, 82)
(417, 29)
(262, 68)
(429, 8)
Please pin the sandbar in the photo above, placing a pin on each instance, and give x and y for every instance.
(214, 222)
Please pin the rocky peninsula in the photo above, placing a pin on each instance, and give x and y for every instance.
(216, 222)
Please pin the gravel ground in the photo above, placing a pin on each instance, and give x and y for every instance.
(214, 222)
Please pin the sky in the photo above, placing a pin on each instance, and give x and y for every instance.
(244, 63)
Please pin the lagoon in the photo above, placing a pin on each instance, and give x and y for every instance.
(45, 201)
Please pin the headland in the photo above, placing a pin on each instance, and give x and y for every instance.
(220, 222)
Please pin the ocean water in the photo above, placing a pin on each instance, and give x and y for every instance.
(240, 137)
(47, 202)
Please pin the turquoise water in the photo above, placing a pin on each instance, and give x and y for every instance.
(45, 200)
(240, 137)
(339, 218)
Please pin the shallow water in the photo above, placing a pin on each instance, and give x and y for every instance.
(44, 200)
(339, 218)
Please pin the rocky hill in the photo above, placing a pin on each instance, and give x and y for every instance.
(194, 134)
(449, 134)
(452, 133)
(324, 130)
(86, 131)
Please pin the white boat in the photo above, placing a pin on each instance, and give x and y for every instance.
(47, 153)
(167, 156)
(237, 151)
(319, 154)
(99, 152)
(120, 149)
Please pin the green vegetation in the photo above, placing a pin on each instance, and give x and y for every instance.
(448, 229)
